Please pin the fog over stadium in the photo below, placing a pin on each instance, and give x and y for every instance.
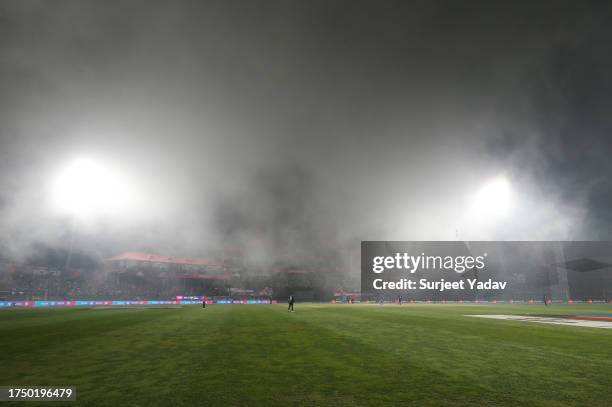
(306, 202)
(284, 128)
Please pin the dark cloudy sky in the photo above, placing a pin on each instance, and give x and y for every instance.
(289, 125)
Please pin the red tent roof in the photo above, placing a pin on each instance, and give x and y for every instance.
(193, 276)
(156, 258)
(290, 270)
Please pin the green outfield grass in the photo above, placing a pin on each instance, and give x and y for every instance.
(329, 355)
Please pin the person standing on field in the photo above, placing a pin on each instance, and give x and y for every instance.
(291, 301)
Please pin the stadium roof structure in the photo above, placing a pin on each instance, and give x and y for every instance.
(583, 265)
(196, 276)
(293, 270)
(156, 258)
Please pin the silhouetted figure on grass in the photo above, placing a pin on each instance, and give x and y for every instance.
(291, 301)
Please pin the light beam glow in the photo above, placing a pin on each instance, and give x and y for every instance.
(85, 188)
(494, 198)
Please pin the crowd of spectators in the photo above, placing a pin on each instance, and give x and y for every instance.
(27, 283)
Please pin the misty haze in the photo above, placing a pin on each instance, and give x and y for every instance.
(281, 134)
(306, 202)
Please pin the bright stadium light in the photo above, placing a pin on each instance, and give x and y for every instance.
(86, 188)
(494, 198)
